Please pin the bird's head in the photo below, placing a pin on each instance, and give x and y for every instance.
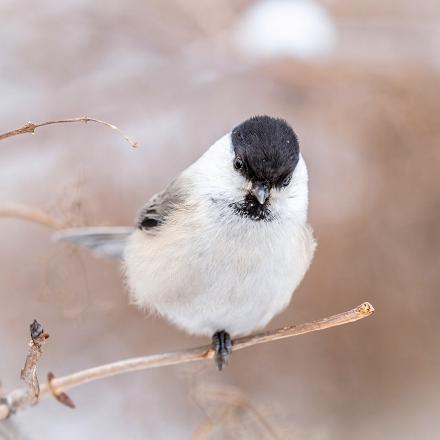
(266, 152)
(257, 167)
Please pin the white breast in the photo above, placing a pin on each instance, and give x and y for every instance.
(208, 269)
(234, 277)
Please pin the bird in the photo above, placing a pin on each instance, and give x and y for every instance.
(220, 251)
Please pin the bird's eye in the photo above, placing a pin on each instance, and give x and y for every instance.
(238, 163)
(286, 181)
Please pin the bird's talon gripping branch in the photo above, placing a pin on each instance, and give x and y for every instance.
(222, 345)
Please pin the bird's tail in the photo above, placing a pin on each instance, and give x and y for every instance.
(104, 241)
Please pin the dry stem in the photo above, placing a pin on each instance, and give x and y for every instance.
(27, 213)
(29, 395)
(30, 127)
(58, 385)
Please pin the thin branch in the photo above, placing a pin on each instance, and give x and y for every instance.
(29, 395)
(27, 213)
(29, 371)
(58, 385)
(231, 400)
(30, 127)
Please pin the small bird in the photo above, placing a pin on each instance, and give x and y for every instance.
(220, 251)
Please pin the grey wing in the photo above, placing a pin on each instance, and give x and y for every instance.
(110, 241)
(104, 241)
(161, 206)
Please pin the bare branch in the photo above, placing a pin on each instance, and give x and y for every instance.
(58, 385)
(29, 395)
(27, 213)
(30, 127)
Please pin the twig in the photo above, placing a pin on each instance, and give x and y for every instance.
(29, 395)
(205, 352)
(232, 400)
(30, 127)
(59, 395)
(27, 213)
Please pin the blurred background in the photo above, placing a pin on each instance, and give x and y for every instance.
(359, 83)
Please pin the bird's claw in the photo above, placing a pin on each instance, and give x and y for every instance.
(222, 345)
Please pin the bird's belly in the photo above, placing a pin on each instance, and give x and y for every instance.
(219, 282)
(237, 307)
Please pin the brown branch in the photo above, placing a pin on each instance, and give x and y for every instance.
(30, 127)
(29, 395)
(27, 213)
(58, 385)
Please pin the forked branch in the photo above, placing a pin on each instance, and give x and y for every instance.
(57, 386)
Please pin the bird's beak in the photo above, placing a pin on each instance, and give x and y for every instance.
(260, 191)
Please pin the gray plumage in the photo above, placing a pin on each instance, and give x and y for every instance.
(157, 209)
(103, 241)
(110, 241)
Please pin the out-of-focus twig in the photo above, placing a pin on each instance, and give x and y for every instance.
(30, 214)
(30, 127)
(29, 395)
(57, 385)
(230, 401)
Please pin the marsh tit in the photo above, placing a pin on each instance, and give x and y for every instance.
(220, 251)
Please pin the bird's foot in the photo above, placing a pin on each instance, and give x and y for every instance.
(222, 345)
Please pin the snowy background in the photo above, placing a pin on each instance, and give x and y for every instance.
(359, 83)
